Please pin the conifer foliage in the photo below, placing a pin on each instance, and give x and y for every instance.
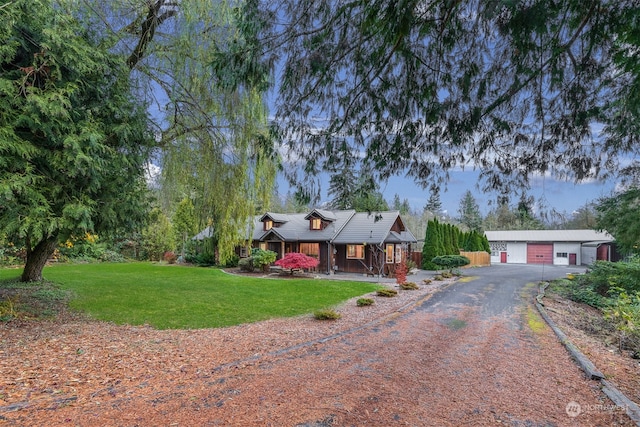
(447, 239)
(73, 139)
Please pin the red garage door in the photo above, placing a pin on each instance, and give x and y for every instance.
(540, 253)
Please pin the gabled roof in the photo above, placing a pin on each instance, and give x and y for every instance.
(296, 229)
(275, 217)
(342, 227)
(321, 213)
(373, 228)
(548, 236)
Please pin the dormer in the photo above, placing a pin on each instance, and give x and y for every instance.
(273, 220)
(319, 219)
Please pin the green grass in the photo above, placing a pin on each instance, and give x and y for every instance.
(173, 297)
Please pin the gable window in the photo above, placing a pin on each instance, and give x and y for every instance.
(389, 254)
(268, 225)
(355, 251)
(316, 224)
(311, 249)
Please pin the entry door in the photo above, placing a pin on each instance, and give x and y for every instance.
(572, 259)
(503, 257)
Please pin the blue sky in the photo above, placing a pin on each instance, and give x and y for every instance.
(554, 194)
(558, 195)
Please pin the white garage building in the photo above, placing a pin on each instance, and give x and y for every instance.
(559, 247)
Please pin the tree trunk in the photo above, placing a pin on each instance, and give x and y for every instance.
(37, 258)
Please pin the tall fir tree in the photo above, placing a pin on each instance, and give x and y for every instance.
(469, 211)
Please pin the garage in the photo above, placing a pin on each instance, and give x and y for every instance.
(551, 247)
(539, 253)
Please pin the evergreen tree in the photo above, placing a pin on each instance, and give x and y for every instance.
(492, 83)
(342, 184)
(367, 195)
(446, 239)
(401, 206)
(434, 205)
(618, 215)
(469, 211)
(526, 217)
(485, 244)
(74, 140)
(431, 243)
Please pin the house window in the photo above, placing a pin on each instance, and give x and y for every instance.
(244, 252)
(311, 249)
(355, 251)
(562, 255)
(268, 225)
(389, 252)
(398, 253)
(316, 224)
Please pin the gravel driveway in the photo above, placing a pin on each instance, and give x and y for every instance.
(474, 353)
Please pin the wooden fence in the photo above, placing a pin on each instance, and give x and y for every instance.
(478, 259)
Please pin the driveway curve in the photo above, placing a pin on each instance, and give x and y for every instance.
(475, 353)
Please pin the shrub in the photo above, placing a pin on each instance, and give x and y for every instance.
(409, 286)
(262, 258)
(624, 312)
(604, 275)
(246, 264)
(427, 281)
(438, 278)
(112, 256)
(233, 261)
(446, 275)
(387, 293)
(326, 314)
(362, 302)
(295, 260)
(411, 265)
(205, 259)
(170, 257)
(451, 261)
(401, 272)
(579, 291)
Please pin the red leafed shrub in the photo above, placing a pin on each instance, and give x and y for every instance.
(295, 260)
(401, 273)
(170, 257)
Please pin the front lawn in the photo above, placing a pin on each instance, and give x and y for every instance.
(171, 297)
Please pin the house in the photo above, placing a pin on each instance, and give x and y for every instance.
(346, 241)
(557, 247)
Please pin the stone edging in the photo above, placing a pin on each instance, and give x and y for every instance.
(616, 396)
